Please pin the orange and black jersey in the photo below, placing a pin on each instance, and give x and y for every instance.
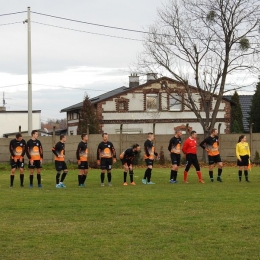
(175, 145)
(59, 150)
(212, 144)
(34, 150)
(149, 150)
(82, 152)
(106, 150)
(17, 148)
(128, 154)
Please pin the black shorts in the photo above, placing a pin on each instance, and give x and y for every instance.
(149, 162)
(192, 159)
(17, 164)
(83, 165)
(244, 161)
(128, 162)
(36, 164)
(176, 159)
(60, 166)
(106, 163)
(214, 159)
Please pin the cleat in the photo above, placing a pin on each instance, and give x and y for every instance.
(133, 183)
(219, 179)
(212, 180)
(185, 181)
(39, 186)
(11, 186)
(58, 186)
(109, 184)
(102, 184)
(31, 186)
(247, 181)
(125, 184)
(144, 181)
(201, 181)
(62, 185)
(150, 182)
(173, 182)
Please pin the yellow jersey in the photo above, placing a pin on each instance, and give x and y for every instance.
(242, 148)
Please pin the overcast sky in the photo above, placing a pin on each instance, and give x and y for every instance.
(67, 64)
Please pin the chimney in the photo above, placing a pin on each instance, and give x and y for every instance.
(133, 80)
(2, 109)
(151, 76)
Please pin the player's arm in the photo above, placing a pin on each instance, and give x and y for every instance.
(78, 152)
(24, 149)
(40, 150)
(146, 148)
(11, 148)
(203, 144)
(170, 146)
(237, 152)
(28, 150)
(55, 149)
(184, 147)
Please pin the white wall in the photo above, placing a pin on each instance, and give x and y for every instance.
(10, 122)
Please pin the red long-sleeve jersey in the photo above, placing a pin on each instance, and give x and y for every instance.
(190, 146)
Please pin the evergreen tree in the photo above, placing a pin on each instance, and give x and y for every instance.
(88, 117)
(254, 114)
(236, 115)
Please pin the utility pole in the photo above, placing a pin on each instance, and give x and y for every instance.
(28, 21)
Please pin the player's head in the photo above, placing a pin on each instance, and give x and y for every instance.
(242, 138)
(18, 137)
(214, 132)
(63, 138)
(150, 136)
(34, 134)
(105, 137)
(178, 133)
(193, 134)
(136, 147)
(84, 137)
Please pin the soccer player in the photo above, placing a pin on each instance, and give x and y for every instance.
(34, 153)
(82, 157)
(17, 149)
(211, 145)
(175, 152)
(60, 164)
(127, 158)
(243, 157)
(190, 150)
(149, 154)
(106, 156)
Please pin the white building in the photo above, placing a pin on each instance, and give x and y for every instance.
(147, 107)
(13, 121)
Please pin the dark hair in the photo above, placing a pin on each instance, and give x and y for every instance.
(213, 130)
(104, 134)
(240, 138)
(62, 136)
(193, 132)
(33, 132)
(135, 146)
(150, 133)
(18, 135)
(83, 135)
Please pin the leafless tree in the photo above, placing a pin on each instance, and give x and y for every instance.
(204, 43)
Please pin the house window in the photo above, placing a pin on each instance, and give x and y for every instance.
(151, 102)
(175, 102)
(121, 106)
(75, 115)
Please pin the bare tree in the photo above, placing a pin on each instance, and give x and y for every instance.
(204, 43)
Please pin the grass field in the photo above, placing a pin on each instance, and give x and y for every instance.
(162, 221)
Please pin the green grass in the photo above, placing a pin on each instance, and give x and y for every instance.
(162, 221)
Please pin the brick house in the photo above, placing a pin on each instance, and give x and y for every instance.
(141, 108)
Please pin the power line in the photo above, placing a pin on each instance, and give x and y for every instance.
(100, 34)
(12, 85)
(3, 24)
(95, 24)
(13, 13)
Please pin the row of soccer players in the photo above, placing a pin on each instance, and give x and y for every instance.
(106, 156)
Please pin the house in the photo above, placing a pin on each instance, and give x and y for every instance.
(142, 108)
(245, 103)
(12, 122)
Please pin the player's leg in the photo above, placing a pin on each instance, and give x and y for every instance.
(220, 167)
(31, 167)
(197, 167)
(64, 174)
(109, 173)
(103, 170)
(38, 170)
(126, 169)
(187, 167)
(13, 168)
(149, 172)
(84, 174)
(211, 166)
(21, 168)
(131, 174)
(240, 169)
